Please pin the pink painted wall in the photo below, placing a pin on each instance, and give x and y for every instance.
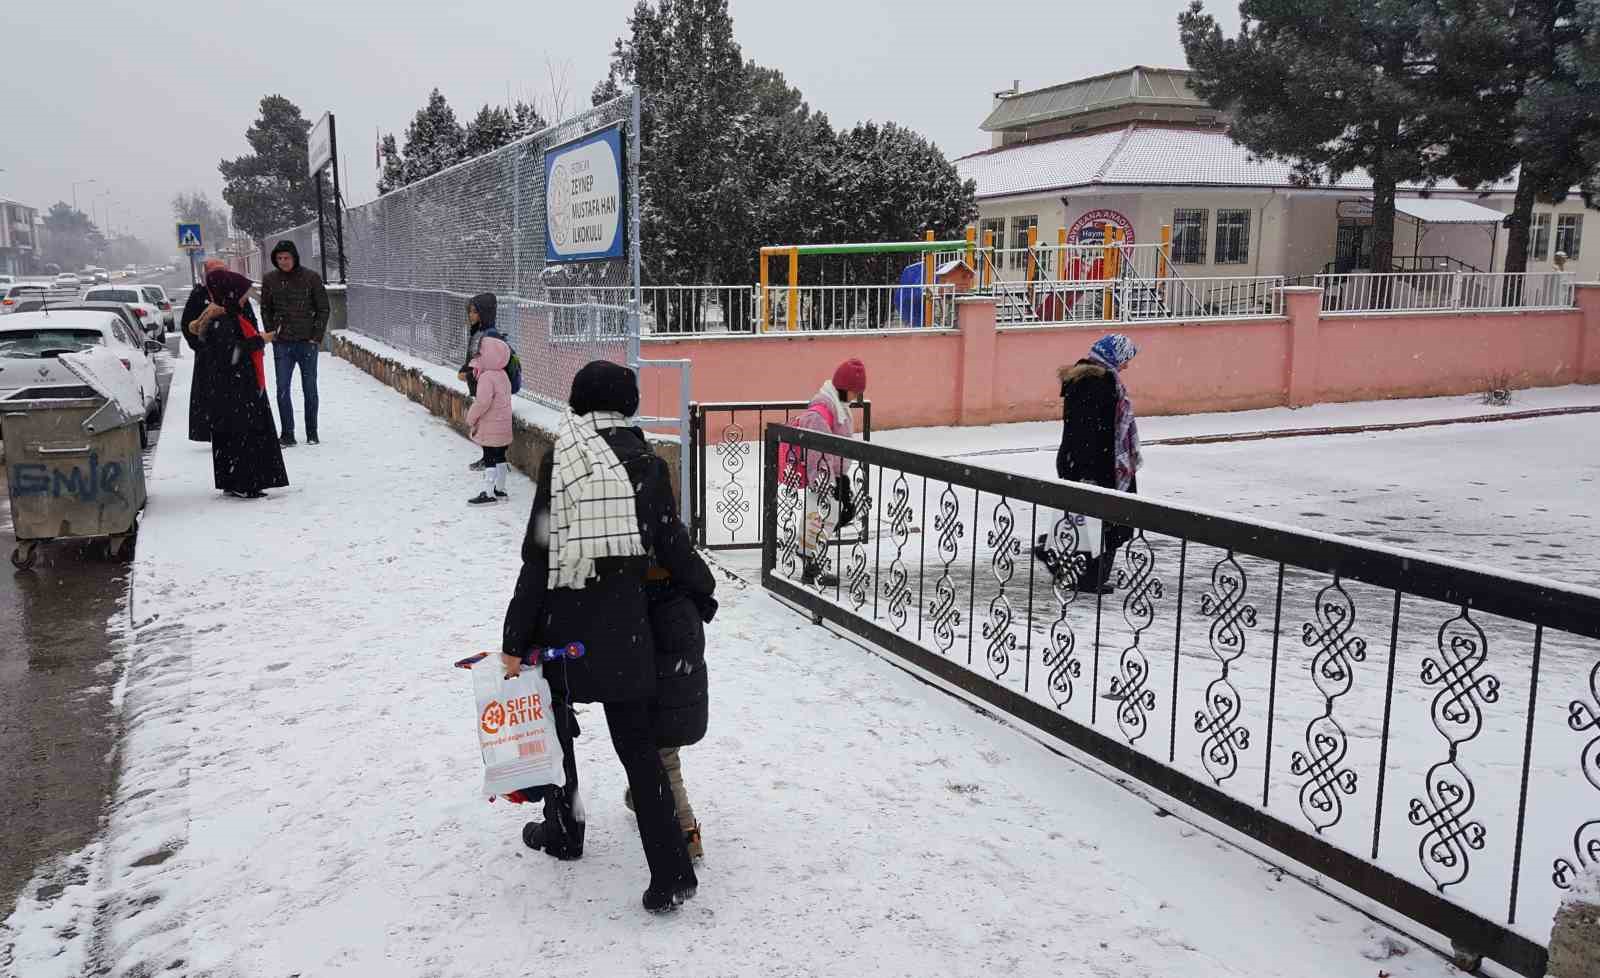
(911, 375)
(1182, 368)
(1361, 358)
(978, 374)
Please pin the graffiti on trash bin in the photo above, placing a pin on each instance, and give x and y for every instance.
(55, 481)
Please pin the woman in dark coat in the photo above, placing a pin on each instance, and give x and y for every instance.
(585, 558)
(201, 382)
(1099, 446)
(245, 457)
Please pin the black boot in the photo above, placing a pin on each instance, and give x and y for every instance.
(667, 898)
(560, 834)
(815, 576)
(1096, 576)
(1051, 560)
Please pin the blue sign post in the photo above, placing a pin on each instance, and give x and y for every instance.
(189, 237)
(584, 205)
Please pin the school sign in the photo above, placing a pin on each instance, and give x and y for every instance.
(584, 207)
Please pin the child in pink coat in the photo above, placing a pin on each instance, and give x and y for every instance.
(489, 418)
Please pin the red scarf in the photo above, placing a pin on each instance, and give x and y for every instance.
(249, 330)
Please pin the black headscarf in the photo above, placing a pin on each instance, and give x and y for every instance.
(228, 288)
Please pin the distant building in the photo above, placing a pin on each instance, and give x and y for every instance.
(1139, 149)
(19, 238)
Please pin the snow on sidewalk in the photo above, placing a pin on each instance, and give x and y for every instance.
(299, 793)
(1045, 436)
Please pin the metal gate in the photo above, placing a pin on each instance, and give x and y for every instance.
(1419, 730)
(730, 433)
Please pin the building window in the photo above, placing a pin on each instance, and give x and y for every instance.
(1020, 226)
(1569, 234)
(1539, 238)
(1189, 236)
(1233, 237)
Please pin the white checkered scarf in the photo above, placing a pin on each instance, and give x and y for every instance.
(593, 512)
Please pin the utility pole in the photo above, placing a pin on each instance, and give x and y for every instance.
(76, 184)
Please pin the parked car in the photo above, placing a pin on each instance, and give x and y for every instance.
(156, 296)
(31, 342)
(18, 291)
(130, 317)
(150, 315)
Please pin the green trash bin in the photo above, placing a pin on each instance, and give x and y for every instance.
(74, 468)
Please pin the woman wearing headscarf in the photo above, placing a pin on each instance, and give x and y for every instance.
(1099, 445)
(201, 381)
(245, 457)
(603, 511)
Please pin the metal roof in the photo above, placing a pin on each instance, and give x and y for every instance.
(1443, 210)
(1143, 155)
(1149, 86)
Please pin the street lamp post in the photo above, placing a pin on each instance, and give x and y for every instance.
(75, 185)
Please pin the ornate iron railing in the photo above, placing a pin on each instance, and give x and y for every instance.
(724, 469)
(1372, 713)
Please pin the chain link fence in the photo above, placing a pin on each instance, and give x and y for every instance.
(306, 241)
(416, 255)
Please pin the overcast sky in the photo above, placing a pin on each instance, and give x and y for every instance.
(144, 98)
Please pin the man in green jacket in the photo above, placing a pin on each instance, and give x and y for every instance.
(294, 305)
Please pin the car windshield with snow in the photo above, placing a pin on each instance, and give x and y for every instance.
(46, 342)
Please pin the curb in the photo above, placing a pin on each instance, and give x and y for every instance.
(1319, 432)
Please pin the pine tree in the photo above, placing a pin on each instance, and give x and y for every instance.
(269, 189)
(434, 140)
(494, 127)
(71, 238)
(393, 174)
(732, 157)
(1529, 64)
(1329, 86)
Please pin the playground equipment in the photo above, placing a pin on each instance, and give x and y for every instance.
(792, 302)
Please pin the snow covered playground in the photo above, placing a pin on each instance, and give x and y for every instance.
(299, 786)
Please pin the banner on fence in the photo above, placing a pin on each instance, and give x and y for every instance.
(583, 204)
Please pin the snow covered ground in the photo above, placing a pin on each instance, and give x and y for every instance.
(299, 792)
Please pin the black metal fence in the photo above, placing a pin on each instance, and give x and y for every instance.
(725, 482)
(1423, 732)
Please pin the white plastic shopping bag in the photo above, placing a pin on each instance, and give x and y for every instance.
(516, 729)
(1089, 531)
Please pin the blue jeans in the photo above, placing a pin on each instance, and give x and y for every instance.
(285, 357)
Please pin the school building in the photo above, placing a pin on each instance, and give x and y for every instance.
(1138, 149)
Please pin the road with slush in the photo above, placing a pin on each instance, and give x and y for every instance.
(56, 679)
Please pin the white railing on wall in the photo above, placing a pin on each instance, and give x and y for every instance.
(1131, 297)
(670, 309)
(1369, 292)
(1133, 300)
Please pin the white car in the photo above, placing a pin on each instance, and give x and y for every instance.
(155, 322)
(18, 291)
(31, 341)
(156, 296)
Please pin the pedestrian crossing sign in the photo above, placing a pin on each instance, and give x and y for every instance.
(189, 237)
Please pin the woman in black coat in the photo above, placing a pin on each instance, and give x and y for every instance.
(1099, 446)
(200, 382)
(245, 456)
(608, 613)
